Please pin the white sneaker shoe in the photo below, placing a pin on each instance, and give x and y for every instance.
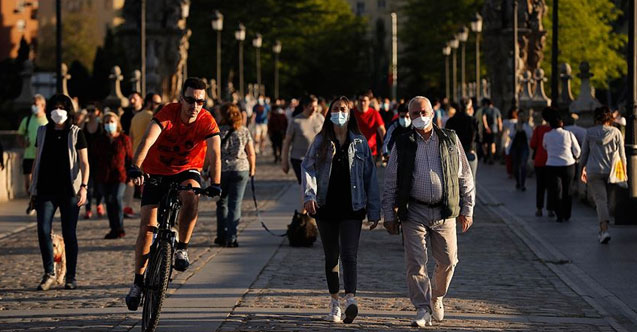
(604, 237)
(423, 318)
(351, 310)
(335, 312)
(437, 309)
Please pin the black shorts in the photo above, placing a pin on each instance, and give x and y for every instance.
(157, 186)
(488, 138)
(27, 166)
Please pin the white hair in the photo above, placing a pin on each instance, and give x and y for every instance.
(39, 97)
(417, 99)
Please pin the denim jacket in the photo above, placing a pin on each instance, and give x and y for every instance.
(315, 175)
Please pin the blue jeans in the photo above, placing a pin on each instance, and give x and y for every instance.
(92, 191)
(233, 186)
(46, 206)
(520, 157)
(114, 197)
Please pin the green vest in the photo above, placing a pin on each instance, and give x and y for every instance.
(406, 147)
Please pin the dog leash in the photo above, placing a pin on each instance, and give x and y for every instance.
(256, 207)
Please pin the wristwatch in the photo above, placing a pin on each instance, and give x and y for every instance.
(83, 185)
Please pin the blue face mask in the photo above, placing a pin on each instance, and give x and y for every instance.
(110, 127)
(404, 122)
(339, 118)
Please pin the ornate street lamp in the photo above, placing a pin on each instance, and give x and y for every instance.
(217, 25)
(454, 43)
(446, 51)
(476, 27)
(257, 42)
(277, 50)
(463, 36)
(240, 36)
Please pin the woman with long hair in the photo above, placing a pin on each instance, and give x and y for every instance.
(238, 164)
(340, 188)
(60, 178)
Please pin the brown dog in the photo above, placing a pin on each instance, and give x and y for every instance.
(59, 257)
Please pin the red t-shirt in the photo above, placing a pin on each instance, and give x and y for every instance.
(179, 147)
(536, 143)
(368, 123)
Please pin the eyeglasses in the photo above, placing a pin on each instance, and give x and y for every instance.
(192, 100)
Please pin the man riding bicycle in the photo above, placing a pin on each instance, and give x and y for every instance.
(176, 143)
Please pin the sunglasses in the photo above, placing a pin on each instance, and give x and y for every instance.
(192, 100)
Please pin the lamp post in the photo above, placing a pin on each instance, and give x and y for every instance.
(463, 36)
(257, 42)
(217, 25)
(454, 48)
(240, 35)
(476, 27)
(515, 54)
(631, 107)
(555, 75)
(276, 48)
(394, 56)
(446, 51)
(142, 47)
(58, 46)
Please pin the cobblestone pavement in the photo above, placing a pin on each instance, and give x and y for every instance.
(105, 267)
(498, 285)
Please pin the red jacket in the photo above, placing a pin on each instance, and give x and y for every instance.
(111, 158)
(536, 144)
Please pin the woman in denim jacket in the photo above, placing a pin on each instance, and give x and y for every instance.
(340, 188)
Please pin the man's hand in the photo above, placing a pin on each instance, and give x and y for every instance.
(584, 178)
(465, 221)
(135, 174)
(311, 207)
(214, 190)
(391, 226)
(373, 225)
(285, 166)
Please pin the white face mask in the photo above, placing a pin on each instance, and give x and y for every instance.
(422, 122)
(404, 122)
(339, 118)
(59, 116)
(35, 109)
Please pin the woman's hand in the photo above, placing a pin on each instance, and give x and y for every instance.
(584, 178)
(81, 196)
(311, 207)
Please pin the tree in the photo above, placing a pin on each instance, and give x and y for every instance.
(586, 34)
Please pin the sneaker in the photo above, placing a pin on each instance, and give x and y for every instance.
(437, 309)
(351, 310)
(128, 212)
(335, 312)
(232, 242)
(100, 210)
(47, 280)
(30, 210)
(114, 235)
(604, 237)
(134, 297)
(181, 260)
(538, 213)
(88, 215)
(70, 284)
(423, 318)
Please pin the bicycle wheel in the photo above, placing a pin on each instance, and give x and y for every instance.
(157, 275)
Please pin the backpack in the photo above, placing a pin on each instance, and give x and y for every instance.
(302, 231)
(519, 140)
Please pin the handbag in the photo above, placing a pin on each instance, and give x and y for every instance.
(617, 175)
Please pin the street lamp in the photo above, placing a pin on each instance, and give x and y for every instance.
(454, 48)
(554, 56)
(446, 51)
(515, 54)
(463, 36)
(217, 25)
(476, 26)
(276, 49)
(240, 35)
(257, 42)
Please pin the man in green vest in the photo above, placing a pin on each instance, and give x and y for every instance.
(433, 189)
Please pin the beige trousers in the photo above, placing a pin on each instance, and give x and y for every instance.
(442, 235)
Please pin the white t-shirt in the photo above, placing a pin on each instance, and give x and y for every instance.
(561, 147)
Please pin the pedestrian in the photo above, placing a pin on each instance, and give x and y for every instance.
(370, 123)
(439, 112)
(238, 164)
(340, 188)
(562, 151)
(27, 132)
(520, 138)
(508, 128)
(466, 127)
(115, 154)
(433, 188)
(395, 129)
(277, 125)
(135, 105)
(60, 176)
(539, 164)
(492, 126)
(140, 120)
(603, 145)
(387, 113)
(92, 129)
(261, 113)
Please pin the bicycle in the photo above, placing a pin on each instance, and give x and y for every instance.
(159, 270)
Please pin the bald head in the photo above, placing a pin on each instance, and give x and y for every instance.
(420, 106)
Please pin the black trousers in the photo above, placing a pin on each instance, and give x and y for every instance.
(560, 189)
(542, 185)
(340, 239)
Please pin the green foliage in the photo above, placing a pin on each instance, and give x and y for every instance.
(425, 26)
(586, 34)
(324, 50)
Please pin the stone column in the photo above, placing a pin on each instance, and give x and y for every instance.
(585, 103)
(115, 99)
(566, 96)
(135, 81)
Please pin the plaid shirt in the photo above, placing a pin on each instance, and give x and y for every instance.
(428, 182)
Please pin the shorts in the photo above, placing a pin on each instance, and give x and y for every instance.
(27, 166)
(488, 138)
(155, 191)
(261, 130)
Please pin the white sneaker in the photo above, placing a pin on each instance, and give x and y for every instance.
(182, 262)
(335, 312)
(351, 309)
(604, 237)
(437, 309)
(423, 318)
